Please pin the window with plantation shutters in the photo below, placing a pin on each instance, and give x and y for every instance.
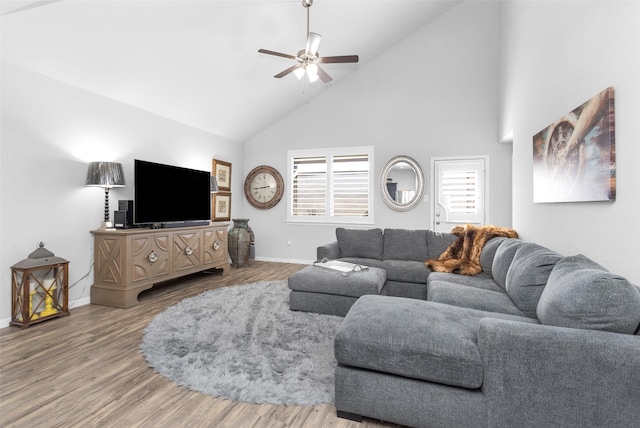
(309, 186)
(459, 192)
(330, 185)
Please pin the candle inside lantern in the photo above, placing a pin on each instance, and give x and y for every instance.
(47, 283)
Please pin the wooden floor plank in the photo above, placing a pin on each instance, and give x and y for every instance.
(86, 370)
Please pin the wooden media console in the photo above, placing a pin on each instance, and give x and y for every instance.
(128, 261)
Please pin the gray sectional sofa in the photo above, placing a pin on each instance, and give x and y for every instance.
(400, 252)
(536, 340)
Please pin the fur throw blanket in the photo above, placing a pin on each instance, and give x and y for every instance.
(463, 255)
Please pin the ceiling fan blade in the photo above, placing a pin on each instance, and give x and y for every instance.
(287, 71)
(339, 59)
(324, 76)
(313, 41)
(283, 55)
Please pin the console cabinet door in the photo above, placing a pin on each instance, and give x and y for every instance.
(187, 250)
(110, 259)
(150, 257)
(215, 245)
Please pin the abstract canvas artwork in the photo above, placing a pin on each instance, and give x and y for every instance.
(574, 159)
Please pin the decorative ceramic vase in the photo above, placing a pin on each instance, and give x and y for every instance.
(241, 238)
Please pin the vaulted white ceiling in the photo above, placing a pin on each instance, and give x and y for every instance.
(197, 61)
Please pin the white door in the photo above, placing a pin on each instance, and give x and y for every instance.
(459, 192)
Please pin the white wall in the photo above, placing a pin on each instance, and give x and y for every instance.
(434, 94)
(555, 56)
(50, 131)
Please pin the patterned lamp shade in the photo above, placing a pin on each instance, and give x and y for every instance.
(105, 174)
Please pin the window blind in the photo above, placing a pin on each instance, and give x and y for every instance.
(460, 191)
(332, 186)
(309, 186)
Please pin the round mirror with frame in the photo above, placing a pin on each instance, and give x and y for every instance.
(402, 183)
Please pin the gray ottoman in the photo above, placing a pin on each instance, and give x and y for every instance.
(323, 291)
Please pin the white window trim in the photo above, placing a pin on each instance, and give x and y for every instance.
(328, 219)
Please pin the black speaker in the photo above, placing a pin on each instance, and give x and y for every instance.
(125, 205)
(123, 218)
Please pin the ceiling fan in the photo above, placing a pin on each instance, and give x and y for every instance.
(308, 59)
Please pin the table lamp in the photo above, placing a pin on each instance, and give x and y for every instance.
(105, 175)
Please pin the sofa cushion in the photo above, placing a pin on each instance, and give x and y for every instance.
(502, 260)
(528, 274)
(489, 252)
(582, 294)
(405, 244)
(413, 338)
(363, 261)
(481, 280)
(438, 242)
(406, 271)
(360, 243)
(471, 297)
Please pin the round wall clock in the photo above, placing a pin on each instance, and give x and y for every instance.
(264, 187)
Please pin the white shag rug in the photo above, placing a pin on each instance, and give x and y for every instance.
(243, 343)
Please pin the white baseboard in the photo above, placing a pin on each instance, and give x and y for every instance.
(80, 302)
(5, 322)
(74, 304)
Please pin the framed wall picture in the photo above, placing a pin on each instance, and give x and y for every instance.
(221, 206)
(222, 172)
(574, 159)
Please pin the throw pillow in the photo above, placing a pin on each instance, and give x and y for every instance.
(360, 243)
(582, 294)
(489, 252)
(502, 259)
(405, 244)
(528, 274)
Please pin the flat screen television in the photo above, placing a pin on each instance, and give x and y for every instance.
(167, 195)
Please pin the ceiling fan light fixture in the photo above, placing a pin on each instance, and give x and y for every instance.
(308, 58)
(312, 77)
(312, 71)
(299, 72)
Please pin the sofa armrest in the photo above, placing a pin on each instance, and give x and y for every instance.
(538, 375)
(330, 251)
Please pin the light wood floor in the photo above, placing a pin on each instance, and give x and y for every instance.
(86, 370)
